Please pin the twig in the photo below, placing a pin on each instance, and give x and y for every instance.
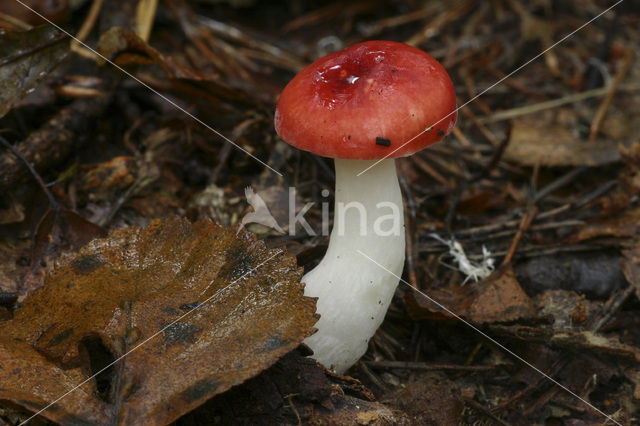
(441, 20)
(540, 227)
(28, 52)
(461, 137)
(525, 224)
(407, 365)
(145, 15)
(223, 156)
(222, 29)
(85, 29)
(428, 169)
(541, 401)
(604, 106)
(52, 142)
(559, 183)
(594, 70)
(289, 399)
(371, 376)
(11, 22)
(481, 127)
(555, 103)
(373, 28)
(558, 365)
(495, 158)
(484, 173)
(478, 407)
(611, 307)
(52, 201)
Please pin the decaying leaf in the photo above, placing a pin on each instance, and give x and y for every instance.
(499, 298)
(553, 145)
(25, 59)
(197, 308)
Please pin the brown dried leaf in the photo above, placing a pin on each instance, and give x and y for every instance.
(25, 59)
(621, 225)
(29, 379)
(499, 298)
(126, 291)
(553, 145)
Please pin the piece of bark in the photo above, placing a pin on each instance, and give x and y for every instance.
(52, 143)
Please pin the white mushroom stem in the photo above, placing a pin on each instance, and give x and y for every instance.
(353, 292)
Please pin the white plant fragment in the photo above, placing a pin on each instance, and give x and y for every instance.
(473, 270)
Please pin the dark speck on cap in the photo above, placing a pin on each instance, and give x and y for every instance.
(383, 141)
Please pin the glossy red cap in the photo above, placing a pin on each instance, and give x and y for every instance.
(366, 101)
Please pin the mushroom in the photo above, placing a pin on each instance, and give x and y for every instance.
(363, 106)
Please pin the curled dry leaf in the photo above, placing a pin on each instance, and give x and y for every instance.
(25, 59)
(129, 293)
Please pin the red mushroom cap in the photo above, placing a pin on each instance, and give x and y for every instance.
(366, 101)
